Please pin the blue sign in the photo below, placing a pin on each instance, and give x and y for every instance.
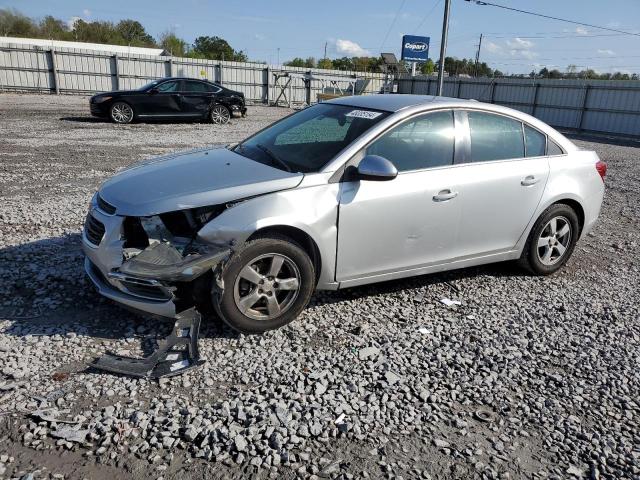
(415, 49)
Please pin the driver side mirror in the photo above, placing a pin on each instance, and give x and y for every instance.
(153, 91)
(376, 168)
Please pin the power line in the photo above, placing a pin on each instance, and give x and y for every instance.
(479, 2)
(392, 24)
(424, 19)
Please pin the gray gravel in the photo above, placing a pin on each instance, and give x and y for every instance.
(527, 378)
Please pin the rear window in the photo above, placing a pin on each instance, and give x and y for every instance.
(535, 142)
(554, 149)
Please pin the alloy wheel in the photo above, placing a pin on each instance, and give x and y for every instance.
(554, 240)
(220, 114)
(121, 113)
(267, 286)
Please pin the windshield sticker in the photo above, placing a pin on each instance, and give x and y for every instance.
(363, 114)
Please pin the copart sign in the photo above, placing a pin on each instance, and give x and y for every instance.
(415, 48)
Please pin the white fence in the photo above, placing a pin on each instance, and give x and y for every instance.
(601, 106)
(74, 71)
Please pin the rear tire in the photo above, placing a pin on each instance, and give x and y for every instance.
(551, 240)
(121, 112)
(266, 285)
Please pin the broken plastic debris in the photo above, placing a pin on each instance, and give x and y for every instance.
(423, 330)
(175, 354)
(449, 302)
(340, 419)
(52, 415)
(70, 434)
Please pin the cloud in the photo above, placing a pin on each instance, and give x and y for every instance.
(86, 12)
(72, 22)
(350, 49)
(492, 47)
(260, 37)
(606, 51)
(582, 31)
(519, 44)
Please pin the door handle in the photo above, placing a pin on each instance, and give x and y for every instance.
(444, 195)
(529, 180)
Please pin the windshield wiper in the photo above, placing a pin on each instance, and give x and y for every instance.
(274, 158)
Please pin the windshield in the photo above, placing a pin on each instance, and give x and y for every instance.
(306, 141)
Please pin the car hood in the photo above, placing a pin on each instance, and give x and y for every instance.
(193, 179)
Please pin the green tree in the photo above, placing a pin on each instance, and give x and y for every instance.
(325, 63)
(296, 62)
(133, 33)
(428, 67)
(217, 48)
(310, 62)
(15, 24)
(173, 44)
(54, 28)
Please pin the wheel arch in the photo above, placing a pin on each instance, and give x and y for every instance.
(301, 237)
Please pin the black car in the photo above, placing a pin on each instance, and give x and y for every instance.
(184, 98)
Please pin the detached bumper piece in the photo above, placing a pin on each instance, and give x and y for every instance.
(175, 354)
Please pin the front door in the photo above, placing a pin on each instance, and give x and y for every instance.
(165, 101)
(196, 98)
(408, 222)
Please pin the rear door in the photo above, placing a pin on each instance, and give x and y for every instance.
(501, 186)
(196, 98)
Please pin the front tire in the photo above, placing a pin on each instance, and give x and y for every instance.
(121, 112)
(551, 240)
(220, 115)
(267, 284)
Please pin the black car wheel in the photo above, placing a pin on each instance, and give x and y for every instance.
(220, 114)
(121, 112)
(267, 284)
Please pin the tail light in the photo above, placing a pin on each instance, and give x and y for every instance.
(601, 167)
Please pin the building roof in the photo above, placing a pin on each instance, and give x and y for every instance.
(99, 47)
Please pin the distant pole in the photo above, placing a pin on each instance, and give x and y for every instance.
(478, 55)
(413, 69)
(325, 50)
(443, 46)
(278, 56)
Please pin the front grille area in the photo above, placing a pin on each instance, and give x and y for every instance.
(145, 291)
(106, 207)
(93, 230)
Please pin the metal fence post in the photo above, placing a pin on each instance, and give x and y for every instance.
(307, 88)
(220, 73)
(413, 85)
(585, 98)
(535, 99)
(116, 71)
(493, 91)
(54, 69)
(169, 67)
(268, 72)
(459, 85)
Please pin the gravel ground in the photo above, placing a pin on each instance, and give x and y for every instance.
(528, 378)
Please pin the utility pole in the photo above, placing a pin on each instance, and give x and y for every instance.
(278, 56)
(443, 46)
(478, 55)
(325, 50)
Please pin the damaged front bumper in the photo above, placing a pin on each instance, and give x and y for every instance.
(147, 281)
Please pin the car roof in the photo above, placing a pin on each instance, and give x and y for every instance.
(395, 102)
(189, 78)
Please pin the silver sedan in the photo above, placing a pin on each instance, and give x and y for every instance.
(348, 192)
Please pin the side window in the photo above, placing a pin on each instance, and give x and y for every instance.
(534, 142)
(554, 149)
(168, 87)
(424, 142)
(494, 137)
(195, 87)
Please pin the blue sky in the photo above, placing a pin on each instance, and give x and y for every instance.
(513, 42)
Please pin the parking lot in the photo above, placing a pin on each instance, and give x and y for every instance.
(529, 377)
